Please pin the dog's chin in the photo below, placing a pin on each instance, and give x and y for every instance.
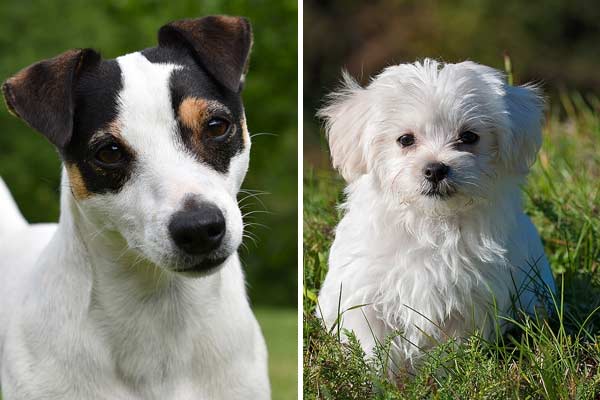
(443, 201)
(435, 194)
(440, 192)
(205, 267)
(184, 264)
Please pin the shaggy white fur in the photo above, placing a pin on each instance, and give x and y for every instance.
(433, 260)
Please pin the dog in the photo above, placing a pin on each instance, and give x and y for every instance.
(434, 244)
(137, 292)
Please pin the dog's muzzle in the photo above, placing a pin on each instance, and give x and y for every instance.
(438, 185)
(436, 172)
(198, 230)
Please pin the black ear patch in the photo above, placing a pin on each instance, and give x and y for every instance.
(220, 44)
(42, 94)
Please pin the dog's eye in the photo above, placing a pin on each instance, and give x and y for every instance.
(110, 154)
(468, 137)
(217, 128)
(406, 140)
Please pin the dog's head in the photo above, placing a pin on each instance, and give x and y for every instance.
(154, 143)
(438, 136)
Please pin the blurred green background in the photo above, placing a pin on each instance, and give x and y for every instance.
(555, 42)
(34, 30)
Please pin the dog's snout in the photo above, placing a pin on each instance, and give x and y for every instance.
(436, 172)
(198, 230)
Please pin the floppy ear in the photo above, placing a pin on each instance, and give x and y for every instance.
(519, 146)
(42, 94)
(221, 44)
(345, 117)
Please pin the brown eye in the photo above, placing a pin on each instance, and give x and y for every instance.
(468, 137)
(406, 140)
(110, 155)
(217, 128)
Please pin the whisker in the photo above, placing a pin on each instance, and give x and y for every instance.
(263, 134)
(256, 212)
(250, 224)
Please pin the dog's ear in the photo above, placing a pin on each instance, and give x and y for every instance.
(221, 44)
(519, 146)
(520, 136)
(42, 94)
(346, 116)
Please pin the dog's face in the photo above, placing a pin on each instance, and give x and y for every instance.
(157, 146)
(434, 136)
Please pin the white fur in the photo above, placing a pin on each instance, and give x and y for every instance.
(9, 213)
(90, 308)
(432, 268)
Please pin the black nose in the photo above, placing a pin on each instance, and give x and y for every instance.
(436, 172)
(199, 230)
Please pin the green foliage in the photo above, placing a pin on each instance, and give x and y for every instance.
(333, 370)
(31, 31)
(280, 328)
(558, 359)
(320, 198)
(550, 42)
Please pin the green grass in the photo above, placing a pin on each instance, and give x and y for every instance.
(280, 328)
(555, 360)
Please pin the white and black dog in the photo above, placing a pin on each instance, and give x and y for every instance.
(137, 292)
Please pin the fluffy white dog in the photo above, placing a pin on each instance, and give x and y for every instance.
(434, 243)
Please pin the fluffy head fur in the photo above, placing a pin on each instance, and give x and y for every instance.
(435, 103)
(433, 258)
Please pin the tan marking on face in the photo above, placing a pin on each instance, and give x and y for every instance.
(245, 133)
(192, 113)
(78, 187)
